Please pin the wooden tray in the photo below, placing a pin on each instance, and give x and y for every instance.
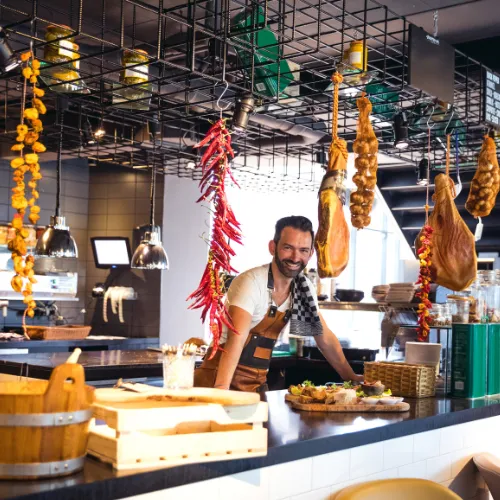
(194, 395)
(145, 433)
(336, 408)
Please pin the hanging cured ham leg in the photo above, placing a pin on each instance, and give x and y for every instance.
(454, 261)
(332, 239)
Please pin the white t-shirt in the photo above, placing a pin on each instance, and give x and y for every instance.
(249, 291)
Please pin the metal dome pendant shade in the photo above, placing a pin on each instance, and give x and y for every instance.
(150, 254)
(56, 241)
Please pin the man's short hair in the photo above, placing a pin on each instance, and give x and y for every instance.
(297, 222)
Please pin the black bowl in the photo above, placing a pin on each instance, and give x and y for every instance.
(349, 295)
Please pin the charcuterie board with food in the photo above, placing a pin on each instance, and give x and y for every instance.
(367, 397)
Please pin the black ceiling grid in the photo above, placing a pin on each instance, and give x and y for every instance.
(194, 47)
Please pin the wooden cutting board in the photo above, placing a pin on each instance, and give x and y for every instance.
(336, 408)
(195, 395)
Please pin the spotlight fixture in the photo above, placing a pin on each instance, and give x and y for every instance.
(56, 241)
(88, 136)
(244, 107)
(400, 131)
(422, 170)
(8, 61)
(100, 132)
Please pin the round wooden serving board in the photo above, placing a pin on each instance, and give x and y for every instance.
(336, 408)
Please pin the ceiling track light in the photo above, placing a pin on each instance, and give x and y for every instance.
(8, 61)
(244, 107)
(423, 172)
(56, 241)
(400, 125)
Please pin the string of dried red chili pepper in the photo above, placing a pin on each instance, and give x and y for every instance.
(215, 169)
(424, 254)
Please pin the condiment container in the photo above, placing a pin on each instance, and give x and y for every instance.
(178, 370)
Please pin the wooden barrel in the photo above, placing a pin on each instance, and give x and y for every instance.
(44, 424)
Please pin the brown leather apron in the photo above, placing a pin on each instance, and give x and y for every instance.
(251, 371)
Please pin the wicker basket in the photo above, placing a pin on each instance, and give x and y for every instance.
(67, 332)
(404, 379)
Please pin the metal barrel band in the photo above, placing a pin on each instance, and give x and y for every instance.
(45, 419)
(42, 469)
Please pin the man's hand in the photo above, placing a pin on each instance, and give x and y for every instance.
(331, 349)
(233, 346)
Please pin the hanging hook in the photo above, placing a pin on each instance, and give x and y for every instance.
(430, 116)
(221, 96)
(449, 121)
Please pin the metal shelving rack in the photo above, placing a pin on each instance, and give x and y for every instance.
(192, 49)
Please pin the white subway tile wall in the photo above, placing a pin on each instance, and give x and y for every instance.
(442, 455)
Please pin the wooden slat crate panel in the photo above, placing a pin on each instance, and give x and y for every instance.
(145, 434)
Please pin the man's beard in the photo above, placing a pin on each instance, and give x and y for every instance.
(285, 270)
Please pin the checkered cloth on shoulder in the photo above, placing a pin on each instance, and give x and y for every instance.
(305, 318)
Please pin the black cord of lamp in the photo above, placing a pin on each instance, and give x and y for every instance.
(152, 195)
(58, 168)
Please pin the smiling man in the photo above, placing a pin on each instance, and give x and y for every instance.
(262, 302)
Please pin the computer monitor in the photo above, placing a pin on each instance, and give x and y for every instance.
(111, 251)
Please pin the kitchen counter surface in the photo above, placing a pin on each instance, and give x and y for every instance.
(293, 435)
(98, 365)
(115, 364)
(93, 343)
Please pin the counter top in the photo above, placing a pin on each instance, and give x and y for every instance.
(98, 365)
(293, 435)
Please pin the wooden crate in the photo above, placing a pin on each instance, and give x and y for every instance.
(148, 433)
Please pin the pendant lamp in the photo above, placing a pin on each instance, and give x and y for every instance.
(56, 241)
(150, 253)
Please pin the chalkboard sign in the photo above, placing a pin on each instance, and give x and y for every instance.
(491, 101)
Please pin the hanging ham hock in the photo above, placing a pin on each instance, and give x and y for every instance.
(453, 261)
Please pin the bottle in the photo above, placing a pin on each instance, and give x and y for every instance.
(312, 274)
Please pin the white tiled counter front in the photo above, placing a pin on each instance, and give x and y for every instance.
(442, 455)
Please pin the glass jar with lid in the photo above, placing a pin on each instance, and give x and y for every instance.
(440, 315)
(494, 297)
(63, 53)
(134, 90)
(479, 309)
(460, 307)
(139, 71)
(490, 291)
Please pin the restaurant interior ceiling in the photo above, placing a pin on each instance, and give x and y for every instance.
(204, 55)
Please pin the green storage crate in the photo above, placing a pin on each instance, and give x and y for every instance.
(493, 380)
(267, 52)
(469, 361)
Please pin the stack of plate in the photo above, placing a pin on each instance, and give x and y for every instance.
(401, 292)
(379, 292)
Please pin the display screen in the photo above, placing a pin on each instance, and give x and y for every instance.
(111, 252)
(491, 101)
(431, 65)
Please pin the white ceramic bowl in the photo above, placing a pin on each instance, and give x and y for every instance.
(390, 400)
(370, 401)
